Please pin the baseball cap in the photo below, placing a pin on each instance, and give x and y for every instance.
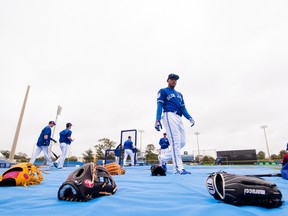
(173, 76)
(52, 122)
(69, 124)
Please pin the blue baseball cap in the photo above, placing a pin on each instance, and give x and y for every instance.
(52, 122)
(173, 76)
(69, 124)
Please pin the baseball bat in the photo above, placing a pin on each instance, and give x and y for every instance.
(54, 154)
(267, 175)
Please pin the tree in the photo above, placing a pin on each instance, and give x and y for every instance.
(88, 156)
(281, 154)
(72, 158)
(261, 155)
(6, 153)
(100, 148)
(274, 157)
(21, 157)
(208, 160)
(151, 154)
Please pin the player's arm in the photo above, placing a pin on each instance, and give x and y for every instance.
(159, 110)
(158, 125)
(185, 112)
(187, 115)
(69, 134)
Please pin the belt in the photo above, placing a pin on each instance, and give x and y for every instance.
(180, 114)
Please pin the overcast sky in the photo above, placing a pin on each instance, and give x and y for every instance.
(103, 62)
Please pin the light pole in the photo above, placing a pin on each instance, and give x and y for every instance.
(59, 110)
(264, 127)
(141, 131)
(197, 134)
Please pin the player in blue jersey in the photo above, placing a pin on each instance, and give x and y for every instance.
(65, 141)
(164, 148)
(171, 103)
(43, 144)
(284, 169)
(164, 143)
(128, 150)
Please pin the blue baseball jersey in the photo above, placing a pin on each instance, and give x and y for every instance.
(64, 134)
(164, 143)
(128, 144)
(41, 141)
(171, 101)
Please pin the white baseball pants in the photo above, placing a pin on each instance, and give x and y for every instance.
(176, 135)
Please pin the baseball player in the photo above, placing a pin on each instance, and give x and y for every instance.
(285, 157)
(172, 104)
(128, 150)
(43, 144)
(65, 141)
(284, 169)
(164, 144)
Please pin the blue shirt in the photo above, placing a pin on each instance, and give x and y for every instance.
(128, 144)
(64, 136)
(171, 100)
(164, 143)
(44, 142)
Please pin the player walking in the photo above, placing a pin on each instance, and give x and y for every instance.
(65, 141)
(43, 143)
(172, 104)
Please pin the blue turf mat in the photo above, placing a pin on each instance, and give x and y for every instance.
(139, 194)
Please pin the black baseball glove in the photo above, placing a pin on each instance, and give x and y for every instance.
(242, 190)
(86, 183)
(157, 170)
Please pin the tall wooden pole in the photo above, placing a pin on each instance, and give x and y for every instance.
(12, 153)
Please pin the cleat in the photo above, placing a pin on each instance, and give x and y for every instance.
(184, 172)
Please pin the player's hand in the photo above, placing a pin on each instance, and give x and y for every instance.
(192, 122)
(158, 125)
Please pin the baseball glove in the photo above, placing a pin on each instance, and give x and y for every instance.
(114, 169)
(157, 170)
(21, 174)
(242, 190)
(87, 182)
